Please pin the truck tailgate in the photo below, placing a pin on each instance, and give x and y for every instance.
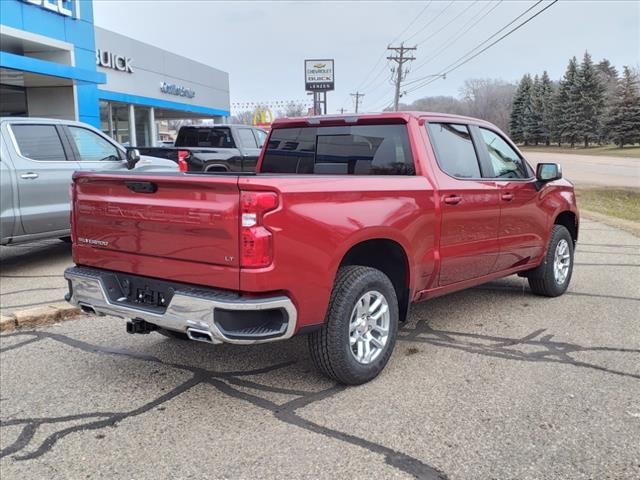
(177, 227)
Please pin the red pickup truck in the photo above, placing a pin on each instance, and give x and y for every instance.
(347, 221)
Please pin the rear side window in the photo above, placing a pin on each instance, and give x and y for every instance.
(205, 137)
(39, 142)
(454, 150)
(346, 150)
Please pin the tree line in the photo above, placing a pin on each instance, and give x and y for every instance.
(592, 103)
(485, 98)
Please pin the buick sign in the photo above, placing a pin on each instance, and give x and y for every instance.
(105, 58)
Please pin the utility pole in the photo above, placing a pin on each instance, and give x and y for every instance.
(341, 110)
(357, 96)
(400, 59)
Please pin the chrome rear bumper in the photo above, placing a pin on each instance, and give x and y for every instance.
(189, 310)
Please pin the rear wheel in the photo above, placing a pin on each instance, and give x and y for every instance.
(360, 329)
(552, 277)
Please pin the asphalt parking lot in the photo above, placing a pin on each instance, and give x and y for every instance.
(487, 383)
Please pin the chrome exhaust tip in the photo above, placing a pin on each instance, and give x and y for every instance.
(200, 335)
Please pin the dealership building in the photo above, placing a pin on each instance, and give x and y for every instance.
(54, 62)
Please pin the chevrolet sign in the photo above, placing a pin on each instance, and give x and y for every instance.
(68, 8)
(179, 90)
(318, 75)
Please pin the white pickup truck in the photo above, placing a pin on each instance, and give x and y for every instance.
(37, 159)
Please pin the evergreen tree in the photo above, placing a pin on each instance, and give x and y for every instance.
(624, 116)
(547, 97)
(565, 107)
(589, 92)
(520, 111)
(533, 121)
(609, 77)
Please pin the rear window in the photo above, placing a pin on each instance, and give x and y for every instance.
(346, 150)
(217, 137)
(39, 142)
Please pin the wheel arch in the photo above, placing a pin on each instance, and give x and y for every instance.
(569, 220)
(388, 256)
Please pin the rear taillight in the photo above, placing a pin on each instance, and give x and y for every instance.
(182, 160)
(256, 241)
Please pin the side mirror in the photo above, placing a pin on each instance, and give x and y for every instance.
(133, 157)
(548, 172)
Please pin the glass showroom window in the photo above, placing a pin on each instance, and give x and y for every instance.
(106, 124)
(143, 127)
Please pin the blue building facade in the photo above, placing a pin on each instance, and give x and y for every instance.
(54, 62)
(50, 20)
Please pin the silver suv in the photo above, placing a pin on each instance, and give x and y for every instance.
(37, 159)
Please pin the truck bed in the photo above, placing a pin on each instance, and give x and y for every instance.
(187, 230)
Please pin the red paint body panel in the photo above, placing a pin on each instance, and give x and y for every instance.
(188, 230)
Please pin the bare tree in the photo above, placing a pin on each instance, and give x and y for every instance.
(483, 98)
(293, 109)
(488, 99)
(242, 118)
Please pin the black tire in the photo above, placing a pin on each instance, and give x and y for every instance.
(66, 239)
(173, 334)
(542, 280)
(330, 348)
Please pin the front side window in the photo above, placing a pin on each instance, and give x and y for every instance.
(92, 147)
(39, 142)
(246, 138)
(454, 149)
(346, 150)
(261, 135)
(504, 159)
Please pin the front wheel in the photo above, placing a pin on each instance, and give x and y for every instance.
(360, 329)
(552, 277)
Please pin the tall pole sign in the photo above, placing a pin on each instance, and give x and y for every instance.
(319, 79)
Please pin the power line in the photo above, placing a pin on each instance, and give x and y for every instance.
(465, 10)
(451, 40)
(412, 22)
(429, 22)
(461, 61)
(368, 79)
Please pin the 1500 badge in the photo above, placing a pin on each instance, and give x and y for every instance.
(91, 241)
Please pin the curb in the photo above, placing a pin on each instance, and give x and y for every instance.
(35, 317)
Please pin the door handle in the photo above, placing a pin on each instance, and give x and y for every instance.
(452, 200)
(507, 197)
(29, 176)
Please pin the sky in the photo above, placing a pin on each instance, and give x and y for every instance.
(262, 45)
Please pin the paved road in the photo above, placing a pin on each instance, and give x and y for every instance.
(590, 170)
(31, 274)
(488, 383)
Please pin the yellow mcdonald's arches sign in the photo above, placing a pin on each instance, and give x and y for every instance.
(262, 117)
